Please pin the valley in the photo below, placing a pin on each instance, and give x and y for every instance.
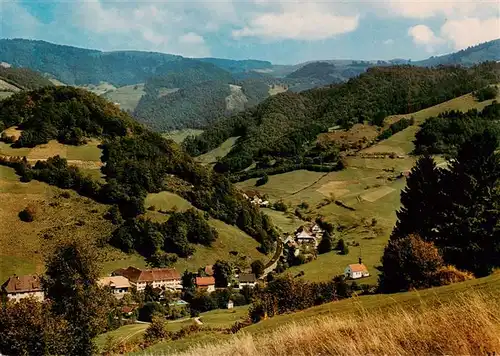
(207, 206)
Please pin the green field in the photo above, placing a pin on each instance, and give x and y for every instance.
(219, 152)
(179, 135)
(128, 96)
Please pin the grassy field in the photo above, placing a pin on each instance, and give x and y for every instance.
(23, 245)
(179, 135)
(221, 151)
(277, 89)
(128, 96)
(99, 89)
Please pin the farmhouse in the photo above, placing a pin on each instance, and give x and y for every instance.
(247, 279)
(255, 199)
(206, 284)
(157, 277)
(356, 270)
(19, 287)
(119, 285)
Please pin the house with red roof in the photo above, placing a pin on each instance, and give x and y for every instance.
(356, 270)
(168, 278)
(19, 287)
(206, 283)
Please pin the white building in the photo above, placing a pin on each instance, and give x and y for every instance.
(356, 270)
(247, 279)
(167, 278)
(19, 287)
(119, 285)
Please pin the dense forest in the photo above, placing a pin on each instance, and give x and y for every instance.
(24, 78)
(63, 113)
(448, 131)
(285, 125)
(137, 162)
(200, 100)
(78, 66)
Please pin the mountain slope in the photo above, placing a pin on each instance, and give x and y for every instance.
(488, 51)
(78, 66)
(283, 126)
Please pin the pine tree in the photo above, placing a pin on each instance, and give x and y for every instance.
(325, 244)
(420, 201)
(470, 223)
(342, 247)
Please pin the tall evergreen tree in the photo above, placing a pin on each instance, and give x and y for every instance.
(469, 231)
(419, 201)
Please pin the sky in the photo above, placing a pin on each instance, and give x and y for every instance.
(281, 31)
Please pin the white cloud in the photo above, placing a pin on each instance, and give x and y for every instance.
(305, 21)
(191, 38)
(15, 19)
(424, 36)
(470, 31)
(388, 42)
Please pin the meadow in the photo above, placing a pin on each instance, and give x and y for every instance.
(128, 96)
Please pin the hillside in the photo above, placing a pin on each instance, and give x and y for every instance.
(133, 162)
(13, 80)
(284, 127)
(419, 322)
(487, 51)
(78, 66)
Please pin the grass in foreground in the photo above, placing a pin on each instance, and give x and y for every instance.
(467, 325)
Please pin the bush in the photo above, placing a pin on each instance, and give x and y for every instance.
(449, 275)
(257, 268)
(262, 181)
(157, 331)
(342, 247)
(280, 206)
(27, 214)
(487, 93)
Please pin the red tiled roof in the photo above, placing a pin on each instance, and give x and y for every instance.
(356, 267)
(149, 275)
(20, 284)
(205, 281)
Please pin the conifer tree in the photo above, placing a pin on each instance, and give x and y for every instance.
(419, 201)
(325, 244)
(469, 231)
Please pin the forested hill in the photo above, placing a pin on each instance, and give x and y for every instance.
(282, 126)
(78, 66)
(488, 51)
(23, 78)
(136, 162)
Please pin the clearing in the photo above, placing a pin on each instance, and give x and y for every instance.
(128, 96)
(276, 89)
(236, 100)
(219, 152)
(180, 135)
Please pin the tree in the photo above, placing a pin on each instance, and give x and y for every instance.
(157, 330)
(409, 262)
(469, 228)
(419, 201)
(28, 328)
(162, 259)
(342, 247)
(261, 181)
(222, 273)
(188, 280)
(71, 285)
(257, 268)
(325, 244)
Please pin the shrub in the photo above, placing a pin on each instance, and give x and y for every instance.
(27, 214)
(157, 331)
(280, 206)
(261, 181)
(342, 247)
(449, 275)
(487, 93)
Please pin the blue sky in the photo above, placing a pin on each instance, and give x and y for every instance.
(282, 31)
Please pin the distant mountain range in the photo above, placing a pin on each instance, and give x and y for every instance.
(184, 92)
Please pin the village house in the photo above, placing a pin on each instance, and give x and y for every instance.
(19, 287)
(306, 236)
(167, 278)
(247, 279)
(255, 199)
(206, 284)
(356, 270)
(119, 285)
